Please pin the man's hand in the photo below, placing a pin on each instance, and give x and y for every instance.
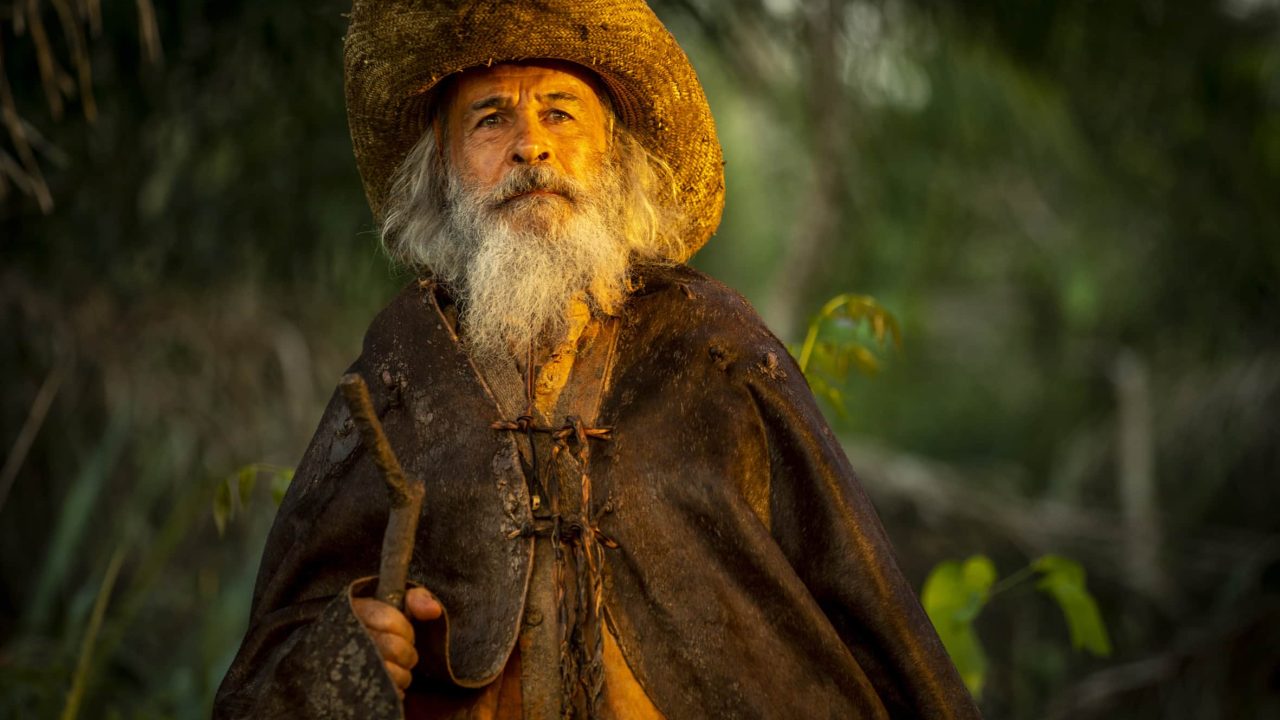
(393, 633)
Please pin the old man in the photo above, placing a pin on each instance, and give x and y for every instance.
(633, 507)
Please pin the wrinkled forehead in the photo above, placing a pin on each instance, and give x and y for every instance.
(550, 76)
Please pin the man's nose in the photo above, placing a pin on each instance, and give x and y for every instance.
(531, 146)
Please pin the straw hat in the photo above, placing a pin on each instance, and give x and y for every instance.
(398, 50)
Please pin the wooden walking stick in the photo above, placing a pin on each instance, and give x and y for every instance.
(406, 495)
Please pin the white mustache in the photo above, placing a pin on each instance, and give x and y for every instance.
(526, 179)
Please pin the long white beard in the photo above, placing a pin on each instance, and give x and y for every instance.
(517, 264)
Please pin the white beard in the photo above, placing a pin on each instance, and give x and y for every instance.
(517, 264)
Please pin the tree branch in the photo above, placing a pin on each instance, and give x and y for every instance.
(406, 496)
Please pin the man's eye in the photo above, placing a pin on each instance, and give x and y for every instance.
(489, 120)
(558, 116)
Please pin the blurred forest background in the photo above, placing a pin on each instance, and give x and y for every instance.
(1072, 207)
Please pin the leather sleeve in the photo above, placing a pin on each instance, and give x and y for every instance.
(311, 660)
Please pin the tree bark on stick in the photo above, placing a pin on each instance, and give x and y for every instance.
(406, 495)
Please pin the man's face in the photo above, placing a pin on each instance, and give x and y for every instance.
(508, 116)
(540, 201)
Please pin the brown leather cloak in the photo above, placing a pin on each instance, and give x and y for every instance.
(751, 577)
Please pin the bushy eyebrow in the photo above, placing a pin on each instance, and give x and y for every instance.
(502, 101)
(560, 96)
(493, 101)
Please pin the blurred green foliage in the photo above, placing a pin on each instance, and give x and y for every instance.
(1063, 579)
(1069, 207)
(844, 335)
(233, 493)
(955, 593)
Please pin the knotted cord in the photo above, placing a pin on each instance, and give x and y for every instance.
(582, 641)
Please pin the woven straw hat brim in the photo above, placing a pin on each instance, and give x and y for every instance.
(397, 51)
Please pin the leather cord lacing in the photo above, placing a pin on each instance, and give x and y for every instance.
(574, 536)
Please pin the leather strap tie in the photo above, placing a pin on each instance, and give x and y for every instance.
(573, 428)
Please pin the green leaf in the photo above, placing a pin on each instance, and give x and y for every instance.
(823, 355)
(836, 398)
(979, 574)
(953, 596)
(843, 336)
(866, 362)
(857, 307)
(246, 478)
(279, 484)
(1064, 580)
(222, 507)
